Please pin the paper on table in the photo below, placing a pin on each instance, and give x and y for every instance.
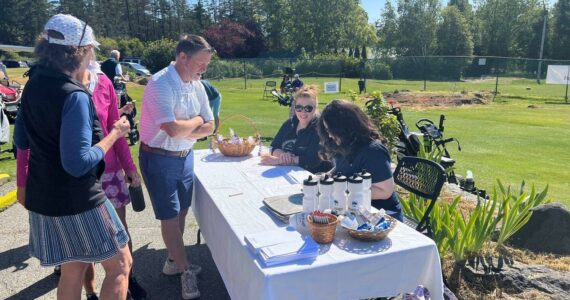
(289, 251)
(298, 246)
(298, 175)
(251, 172)
(258, 240)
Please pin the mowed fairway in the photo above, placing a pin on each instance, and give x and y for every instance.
(504, 140)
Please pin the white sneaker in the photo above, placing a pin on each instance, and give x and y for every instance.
(170, 268)
(189, 285)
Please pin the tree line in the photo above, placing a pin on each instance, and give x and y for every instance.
(509, 28)
(286, 28)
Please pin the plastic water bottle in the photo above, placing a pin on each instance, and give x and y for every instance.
(339, 194)
(355, 193)
(325, 190)
(137, 198)
(366, 186)
(310, 194)
(469, 181)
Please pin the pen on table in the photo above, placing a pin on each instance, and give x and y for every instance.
(293, 178)
(236, 194)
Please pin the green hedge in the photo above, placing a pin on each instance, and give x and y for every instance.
(231, 68)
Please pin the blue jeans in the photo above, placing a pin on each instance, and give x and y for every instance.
(169, 181)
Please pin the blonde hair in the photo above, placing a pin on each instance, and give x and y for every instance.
(308, 91)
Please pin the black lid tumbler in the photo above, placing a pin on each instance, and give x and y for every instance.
(137, 198)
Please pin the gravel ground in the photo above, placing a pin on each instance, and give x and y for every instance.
(22, 277)
(7, 187)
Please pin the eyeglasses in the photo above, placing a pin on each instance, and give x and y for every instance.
(307, 108)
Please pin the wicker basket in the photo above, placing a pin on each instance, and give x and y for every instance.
(236, 150)
(323, 233)
(372, 236)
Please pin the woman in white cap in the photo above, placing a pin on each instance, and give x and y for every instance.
(58, 133)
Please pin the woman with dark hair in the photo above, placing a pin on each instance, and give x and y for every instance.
(285, 84)
(297, 141)
(351, 140)
(62, 148)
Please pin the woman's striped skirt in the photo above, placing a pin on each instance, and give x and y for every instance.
(91, 236)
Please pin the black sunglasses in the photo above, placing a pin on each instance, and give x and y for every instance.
(307, 108)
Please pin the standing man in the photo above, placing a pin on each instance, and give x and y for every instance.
(111, 67)
(175, 113)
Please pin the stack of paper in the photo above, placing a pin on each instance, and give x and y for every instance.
(289, 251)
(256, 241)
(281, 246)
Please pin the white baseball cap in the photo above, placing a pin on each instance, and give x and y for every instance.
(74, 31)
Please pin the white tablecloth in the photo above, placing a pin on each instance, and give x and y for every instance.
(228, 205)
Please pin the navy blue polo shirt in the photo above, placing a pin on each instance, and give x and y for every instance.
(375, 158)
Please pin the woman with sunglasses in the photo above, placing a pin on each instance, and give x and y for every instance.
(354, 144)
(297, 142)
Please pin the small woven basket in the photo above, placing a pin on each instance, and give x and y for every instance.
(372, 236)
(235, 150)
(323, 233)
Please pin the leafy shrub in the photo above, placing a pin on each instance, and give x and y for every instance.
(107, 44)
(231, 69)
(158, 54)
(377, 110)
(465, 235)
(377, 70)
(130, 47)
(411, 68)
(312, 67)
(234, 40)
(516, 208)
(272, 66)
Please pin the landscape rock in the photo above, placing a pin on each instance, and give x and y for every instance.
(548, 230)
(521, 278)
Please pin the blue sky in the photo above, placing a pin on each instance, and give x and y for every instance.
(373, 8)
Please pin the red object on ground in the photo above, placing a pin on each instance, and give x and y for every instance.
(11, 94)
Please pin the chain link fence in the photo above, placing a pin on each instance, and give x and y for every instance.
(503, 76)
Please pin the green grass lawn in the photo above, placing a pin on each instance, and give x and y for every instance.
(504, 140)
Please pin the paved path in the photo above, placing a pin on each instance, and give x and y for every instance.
(21, 276)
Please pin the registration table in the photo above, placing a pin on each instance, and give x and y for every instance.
(228, 205)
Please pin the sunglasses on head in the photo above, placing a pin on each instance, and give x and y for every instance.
(307, 108)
